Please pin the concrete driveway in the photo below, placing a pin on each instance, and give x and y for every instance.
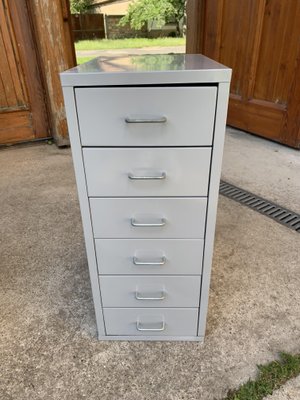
(48, 342)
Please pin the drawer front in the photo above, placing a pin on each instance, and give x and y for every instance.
(151, 321)
(189, 114)
(150, 291)
(149, 256)
(148, 218)
(147, 172)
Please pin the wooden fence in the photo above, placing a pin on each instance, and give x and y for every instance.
(88, 26)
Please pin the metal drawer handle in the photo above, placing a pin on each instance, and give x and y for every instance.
(134, 222)
(154, 120)
(140, 296)
(155, 327)
(136, 261)
(131, 176)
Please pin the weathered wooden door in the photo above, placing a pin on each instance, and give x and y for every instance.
(22, 101)
(260, 41)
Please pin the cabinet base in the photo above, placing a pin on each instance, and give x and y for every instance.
(154, 338)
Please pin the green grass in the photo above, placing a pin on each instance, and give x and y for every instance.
(109, 44)
(81, 60)
(270, 377)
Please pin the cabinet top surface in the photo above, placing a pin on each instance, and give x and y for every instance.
(146, 69)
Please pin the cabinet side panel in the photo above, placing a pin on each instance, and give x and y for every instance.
(216, 164)
(70, 106)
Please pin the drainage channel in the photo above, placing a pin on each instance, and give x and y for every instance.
(286, 217)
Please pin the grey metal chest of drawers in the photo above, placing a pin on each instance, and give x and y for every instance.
(147, 137)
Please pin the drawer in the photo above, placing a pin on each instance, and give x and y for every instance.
(186, 114)
(150, 291)
(147, 172)
(149, 256)
(148, 218)
(151, 321)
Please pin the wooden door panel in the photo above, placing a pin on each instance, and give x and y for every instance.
(14, 95)
(242, 33)
(276, 62)
(254, 116)
(15, 127)
(22, 102)
(259, 40)
(3, 101)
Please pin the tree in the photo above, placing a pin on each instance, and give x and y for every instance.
(159, 11)
(80, 6)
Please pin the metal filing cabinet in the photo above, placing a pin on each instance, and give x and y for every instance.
(147, 137)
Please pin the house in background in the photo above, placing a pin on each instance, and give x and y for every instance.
(114, 10)
(111, 7)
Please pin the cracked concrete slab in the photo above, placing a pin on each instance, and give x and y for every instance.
(48, 344)
(290, 391)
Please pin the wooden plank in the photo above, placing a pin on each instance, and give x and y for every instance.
(13, 119)
(213, 28)
(280, 39)
(7, 79)
(12, 55)
(55, 49)
(15, 127)
(237, 40)
(195, 11)
(30, 65)
(23, 114)
(244, 54)
(291, 122)
(258, 17)
(236, 27)
(253, 117)
(68, 32)
(259, 40)
(3, 99)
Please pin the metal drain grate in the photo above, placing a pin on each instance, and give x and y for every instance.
(280, 214)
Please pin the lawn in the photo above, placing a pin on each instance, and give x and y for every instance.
(270, 377)
(109, 44)
(81, 60)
